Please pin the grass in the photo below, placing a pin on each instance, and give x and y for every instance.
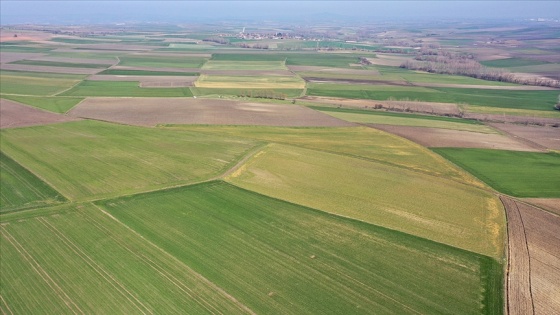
(295, 59)
(359, 142)
(387, 118)
(93, 159)
(81, 41)
(280, 258)
(249, 82)
(393, 73)
(441, 210)
(243, 65)
(51, 103)
(70, 260)
(147, 73)
(530, 100)
(33, 83)
(24, 49)
(520, 174)
(21, 189)
(59, 64)
(161, 61)
(123, 89)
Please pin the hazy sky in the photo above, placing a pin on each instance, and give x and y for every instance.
(85, 12)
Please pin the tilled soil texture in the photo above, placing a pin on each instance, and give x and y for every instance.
(420, 107)
(14, 115)
(550, 204)
(541, 230)
(50, 69)
(154, 111)
(437, 137)
(548, 137)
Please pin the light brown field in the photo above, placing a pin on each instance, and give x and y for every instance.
(513, 119)
(153, 111)
(420, 107)
(437, 137)
(75, 60)
(23, 35)
(14, 115)
(333, 70)
(148, 81)
(169, 69)
(7, 57)
(548, 137)
(388, 60)
(49, 69)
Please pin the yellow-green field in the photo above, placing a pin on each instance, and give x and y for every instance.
(249, 82)
(243, 65)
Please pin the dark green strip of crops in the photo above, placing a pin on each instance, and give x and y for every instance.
(59, 64)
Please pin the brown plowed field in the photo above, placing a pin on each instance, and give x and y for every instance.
(512, 119)
(153, 111)
(7, 57)
(548, 137)
(542, 230)
(437, 137)
(421, 107)
(156, 69)
(14, 115)
(519, 296)
(49, 69)
(333, 70)
(550, 204)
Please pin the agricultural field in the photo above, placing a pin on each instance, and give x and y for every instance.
(21, 189)
(520, 174)
(277, 169)
(373, 192)
(89, 159)
(277, 257)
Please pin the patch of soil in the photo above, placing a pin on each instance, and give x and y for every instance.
(548, 137)
(153, 111)
(437, 137)
(550, 204)
(13, 114)
(7, 57)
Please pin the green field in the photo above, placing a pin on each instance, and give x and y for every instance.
(123, 88)
(532, 100)
(24, 49)
(388, 118)
(512, 62)
(60, 64)
(161, 61)
(520, 174)
(243, 65)
(34, 83)
(147, 73)
(81, 40)
(280, 258)
(22, 189)
(395, 73)
(442, 210)
(79, 260)
(295, 59)
(52, 104)
(360, 142)
(87, 158)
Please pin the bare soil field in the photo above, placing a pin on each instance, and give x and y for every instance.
(125, 47)
(388, 60)
(23, 35)
(548, 137)
(420, 107)
(153, 111)
(437, 137)
(167, 54)
(14, 115)
(68, 70)
(7, 57)
(550, 204)
(519, 296)
(543, 238)
(513, 119)
(156, 69)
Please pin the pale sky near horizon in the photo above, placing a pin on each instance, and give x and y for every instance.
(94, 12)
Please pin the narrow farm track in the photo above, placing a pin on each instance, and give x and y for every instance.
(518, 287)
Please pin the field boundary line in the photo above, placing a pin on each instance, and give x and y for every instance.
(88, 260)
(153, 265)
(6, 305)
(41, 272)
(68, 89)
(196, 274)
